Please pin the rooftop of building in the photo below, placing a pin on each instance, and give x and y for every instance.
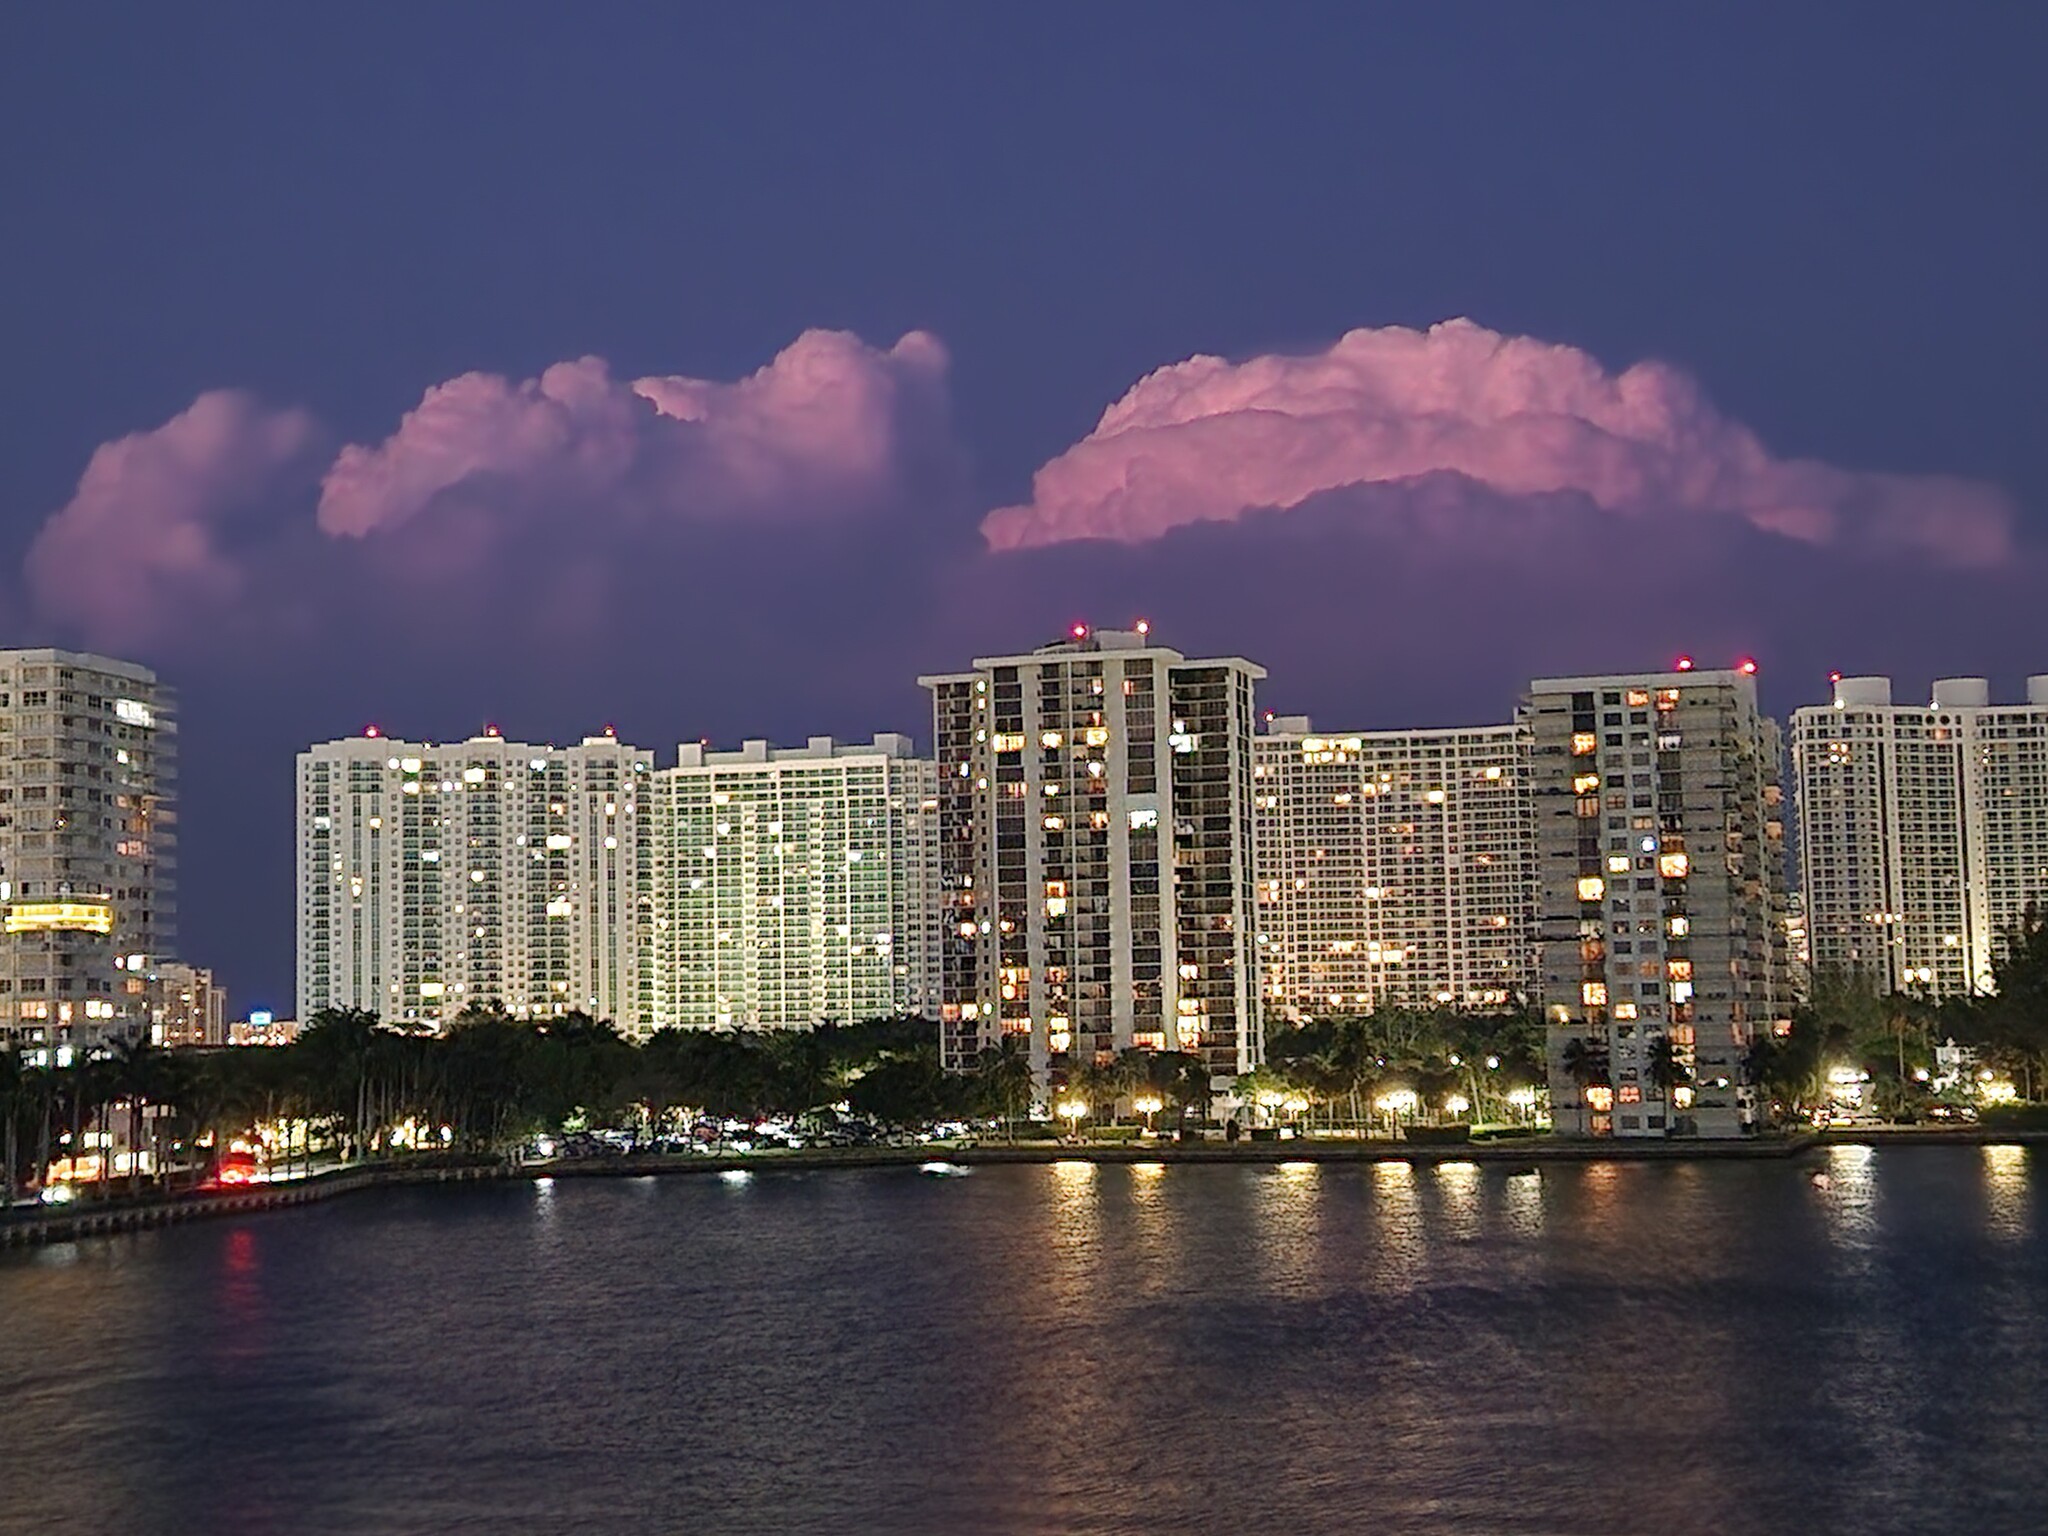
(90, 660)
(1291, 728)
(1875, 692)
(1084, 640)
(818, 750)
(1683, 673)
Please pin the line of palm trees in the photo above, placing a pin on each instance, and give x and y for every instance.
(361, 1088)
(1339, 1070)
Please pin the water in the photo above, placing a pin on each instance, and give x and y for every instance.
(1608, 1348)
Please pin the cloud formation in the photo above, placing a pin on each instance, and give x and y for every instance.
(484, 487)
(822, 427)
(1208, 440)
(149, 532)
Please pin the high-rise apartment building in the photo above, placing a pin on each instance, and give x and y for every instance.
(88, 768)
(186, 1006)
(483, 872)
(794, 885)
(1394, 868)
(1923, 830)
(1661, 879)
(1096, 852)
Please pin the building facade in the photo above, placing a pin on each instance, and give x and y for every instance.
(186, 1006)
(1662, 899)
(794, 885)
(88, 837)
(1394, 868)
(488, 873)
(1096, 853)
(1923, 830)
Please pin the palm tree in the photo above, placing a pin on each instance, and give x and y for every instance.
(1006, 1079)
(1585, 1063)
(1669, 1072)
(13, 1095)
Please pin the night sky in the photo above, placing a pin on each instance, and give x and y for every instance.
(712, 371)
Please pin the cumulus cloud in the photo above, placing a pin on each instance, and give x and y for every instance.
(1207, 440)
(223, 513)
(149, 533)
(824, 427)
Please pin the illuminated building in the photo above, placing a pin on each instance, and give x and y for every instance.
(794, 885)
(1095, 813)
(485, 872)
(1923, 830)
(1394, 868)
(186, 1006)
(88, 760)
(1661, 878)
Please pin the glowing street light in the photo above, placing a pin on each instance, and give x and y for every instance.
(1071, 1111)
(1148, 1105)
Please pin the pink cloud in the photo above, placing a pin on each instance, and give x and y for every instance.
(146, 535)
(214, 515)
(1207, 440)
(820, 429)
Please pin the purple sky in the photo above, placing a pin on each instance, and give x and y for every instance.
(713, 375)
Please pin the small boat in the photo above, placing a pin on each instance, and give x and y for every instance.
(1820, 1180)
(944, 1170)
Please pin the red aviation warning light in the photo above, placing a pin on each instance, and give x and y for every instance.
(1747, 666)
(1080, 631)
(372, 732)
(1685, 663)
(1144, 626)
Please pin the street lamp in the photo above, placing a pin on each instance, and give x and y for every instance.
(1071, 1111)
(1147, 1105)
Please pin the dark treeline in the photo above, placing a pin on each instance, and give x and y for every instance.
(1341, 1069)
(1893, 1038)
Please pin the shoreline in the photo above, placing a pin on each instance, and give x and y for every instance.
(44, 1226)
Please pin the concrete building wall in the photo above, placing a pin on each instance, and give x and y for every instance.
(1394, 868)
(1096, 852)
(88, 845)
(795, 885)
(1660, 841)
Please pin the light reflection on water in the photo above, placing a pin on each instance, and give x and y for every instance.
(2007, 1190)
(1307, 1346)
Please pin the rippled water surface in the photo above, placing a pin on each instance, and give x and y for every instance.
(1609, 1348)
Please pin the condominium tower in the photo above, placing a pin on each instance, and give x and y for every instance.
(1661, 880)
(1394, 867)
(88, 767)
(1923, 830)
(794, 885)
(186, 1006)
(484, 872)
(1096, 866)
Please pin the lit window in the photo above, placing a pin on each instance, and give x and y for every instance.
(1673, 866)
(1593, 993)
(1584, 743)
(1591, 888)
